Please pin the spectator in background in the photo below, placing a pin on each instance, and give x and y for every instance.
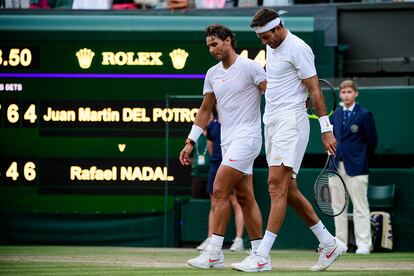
(356, 135)
(179, 4)
(276, 3)
(39, 4)
(92, 4)
(15, 4)
(214, 149)
(60, 4)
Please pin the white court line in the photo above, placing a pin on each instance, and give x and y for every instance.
(161, 264)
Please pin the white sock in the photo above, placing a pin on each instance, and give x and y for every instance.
(216, 243)
(266, 244)
(325, 238)
(255, 244)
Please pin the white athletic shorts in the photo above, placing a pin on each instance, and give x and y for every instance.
(286, 140)
(241, 153)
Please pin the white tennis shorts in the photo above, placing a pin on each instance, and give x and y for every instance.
(286, 140)
(241, 153)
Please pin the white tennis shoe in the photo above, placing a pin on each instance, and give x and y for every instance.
(329, 254)
(254, 263)
(204, 244)
(238, 245)
(208, 259)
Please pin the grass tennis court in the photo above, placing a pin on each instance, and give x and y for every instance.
(69, 260)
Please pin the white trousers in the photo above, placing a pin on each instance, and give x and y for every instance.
(357, 188)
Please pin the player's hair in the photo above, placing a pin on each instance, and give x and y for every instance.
(221, 32)
(348, 83)
(263, 16)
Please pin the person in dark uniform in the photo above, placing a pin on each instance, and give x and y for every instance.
(356, 136)
(199, 168)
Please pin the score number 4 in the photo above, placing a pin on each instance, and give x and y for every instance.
(13, 113)
(29, 171)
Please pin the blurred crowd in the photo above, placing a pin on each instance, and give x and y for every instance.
(170, 4)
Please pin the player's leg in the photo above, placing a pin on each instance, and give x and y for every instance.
(238, 244)
(250, 209)
(305, 210)
(330, 247)
(281, 140)
(278, 187)
(204, 244)
(278, 184)
(210, 181)
(225, 180)
(210, 218)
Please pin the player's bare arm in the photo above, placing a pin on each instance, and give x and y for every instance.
(312, 85)
(262, 86)
(201, 120)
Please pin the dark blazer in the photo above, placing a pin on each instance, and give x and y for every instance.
(356, 141)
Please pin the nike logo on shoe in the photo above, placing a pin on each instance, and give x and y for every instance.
(212, 261)
(328, 255)
(260, 265)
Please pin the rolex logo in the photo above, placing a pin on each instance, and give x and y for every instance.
(85, 57)
(178, 57)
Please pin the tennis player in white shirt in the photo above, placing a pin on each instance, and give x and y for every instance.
(235, 83)
(290, 70)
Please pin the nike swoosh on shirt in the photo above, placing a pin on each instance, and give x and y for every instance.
(232, 160)
(328, 255)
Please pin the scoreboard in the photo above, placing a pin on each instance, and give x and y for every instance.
(83, 109)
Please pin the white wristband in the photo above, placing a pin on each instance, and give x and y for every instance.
(325, 124)
(195, 133)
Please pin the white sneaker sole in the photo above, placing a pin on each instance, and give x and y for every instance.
(336, 258)
(212, 266)
(264, 269)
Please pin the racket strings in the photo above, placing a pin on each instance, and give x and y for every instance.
(330, 193)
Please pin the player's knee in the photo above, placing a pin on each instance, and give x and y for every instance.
(277, 189)
(292, 197)
(220, 194)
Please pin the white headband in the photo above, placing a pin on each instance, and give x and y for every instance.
(272, 24)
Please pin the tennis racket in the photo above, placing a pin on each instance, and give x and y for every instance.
(331, 99)
(329, 191)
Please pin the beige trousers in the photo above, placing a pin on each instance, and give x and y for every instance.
(357, 188)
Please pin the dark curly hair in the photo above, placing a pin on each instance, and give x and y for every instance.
(221, 32)
(263, 16)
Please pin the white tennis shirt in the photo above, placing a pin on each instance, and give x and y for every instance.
(286, 67)
(238, 97)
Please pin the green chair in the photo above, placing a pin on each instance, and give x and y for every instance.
(381, 197)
